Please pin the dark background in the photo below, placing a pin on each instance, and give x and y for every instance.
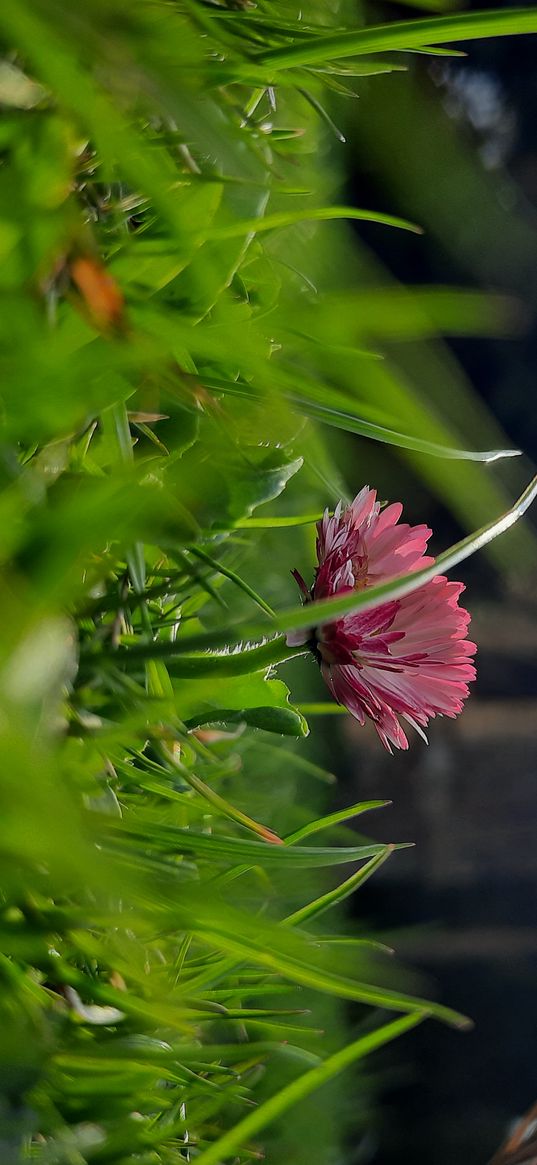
(467, 892)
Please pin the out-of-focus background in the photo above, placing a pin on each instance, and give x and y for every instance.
(457, 151)
(138, 292)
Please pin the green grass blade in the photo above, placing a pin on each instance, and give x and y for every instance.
(322, 709)
(308, 974)
(174, 840)
(333, 819)
(339, 416)
(219, 803)
(231, 1141)
(403, 34)
(233, 577)
(344, 890)
(350, 423)
(236, 663)
(327, 609)
(275, 523)
(282, 219)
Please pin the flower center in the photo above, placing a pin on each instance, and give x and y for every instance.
(360, 566)
(334, 651)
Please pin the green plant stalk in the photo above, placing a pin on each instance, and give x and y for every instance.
(220, 803)
(235, 663)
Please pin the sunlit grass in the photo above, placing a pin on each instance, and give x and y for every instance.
(173, 366)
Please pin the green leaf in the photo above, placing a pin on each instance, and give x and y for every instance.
(339, 415)
(279, 221)
(282, 721)
(250, 698)
(333, 819)
(322, 709)
(291, 961)
(403, 34)
(276, 523)
(170, 839)
(115, 134)
(231, 1141)
(231, 481)
(339, 893)
(351, 423)
(243, 662)
(218, 802)
(397, 313)
(325, 610)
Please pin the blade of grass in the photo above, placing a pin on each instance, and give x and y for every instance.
(339, 417)
(282, 219)
(333, 819)
(402, 34)
(236, 663)
(275, 523)
(322, 709)
(231, 1141)
(173, 840)
(219, 802)
(232, 576)
(344, 890)
(325, 610)
(310, 975)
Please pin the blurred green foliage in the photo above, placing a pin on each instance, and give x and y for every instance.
(180, 327)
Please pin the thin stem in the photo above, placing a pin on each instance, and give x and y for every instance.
(235, 663)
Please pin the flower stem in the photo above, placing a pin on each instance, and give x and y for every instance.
(235, 663)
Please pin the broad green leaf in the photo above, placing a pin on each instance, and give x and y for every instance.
(230, 481)
(252, 698)
(152, 263)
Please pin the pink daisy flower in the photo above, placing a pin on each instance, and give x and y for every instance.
(408, 658)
